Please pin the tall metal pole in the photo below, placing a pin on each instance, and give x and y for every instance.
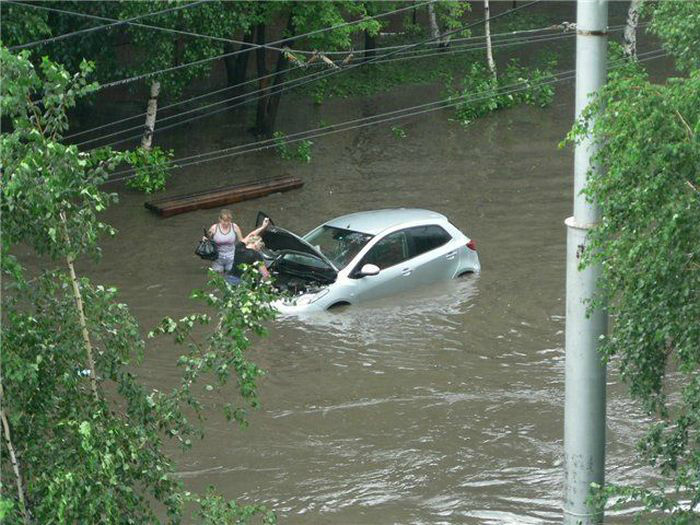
(584, 418)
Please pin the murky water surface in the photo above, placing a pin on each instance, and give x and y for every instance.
(441, 406)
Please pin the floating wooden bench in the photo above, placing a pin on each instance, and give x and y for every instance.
(168, 206)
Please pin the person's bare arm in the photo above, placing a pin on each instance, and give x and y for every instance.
(239, 235)
(259, 230)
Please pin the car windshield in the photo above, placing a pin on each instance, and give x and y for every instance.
(338, 245)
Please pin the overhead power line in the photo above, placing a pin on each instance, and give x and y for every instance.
(247, 100)
(509, 36)
(166, 107)
(98, 28)
(251, 45)
(297, 37)
(429, 53)
(369, 121)
(317, 76)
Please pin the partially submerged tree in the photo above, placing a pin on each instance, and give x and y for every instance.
(487, 33)
(630, 34)
(648, 244)
(82, 437)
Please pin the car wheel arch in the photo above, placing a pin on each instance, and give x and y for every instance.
(338, 304)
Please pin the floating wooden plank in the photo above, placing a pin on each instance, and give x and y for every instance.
(168, 206)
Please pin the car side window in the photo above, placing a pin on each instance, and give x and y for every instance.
(426, 238)
(390, 250)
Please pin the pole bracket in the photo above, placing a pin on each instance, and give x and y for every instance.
(586, 32)
(579, 515)
(571, 223)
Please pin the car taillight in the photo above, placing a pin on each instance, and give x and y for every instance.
(471, 245)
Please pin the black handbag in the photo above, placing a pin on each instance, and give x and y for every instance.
(207, 249)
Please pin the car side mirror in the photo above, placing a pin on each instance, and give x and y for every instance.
(369, 269)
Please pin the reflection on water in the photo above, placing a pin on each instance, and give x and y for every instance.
(396, 318)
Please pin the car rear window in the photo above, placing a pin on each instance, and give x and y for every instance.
(426, 238)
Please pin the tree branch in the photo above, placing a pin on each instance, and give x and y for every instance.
(687, 127)
(36, 113)
(81, 310)
(13, 459)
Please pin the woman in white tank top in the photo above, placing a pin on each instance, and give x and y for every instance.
(225, 234)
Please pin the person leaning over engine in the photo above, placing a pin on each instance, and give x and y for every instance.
(248, 253)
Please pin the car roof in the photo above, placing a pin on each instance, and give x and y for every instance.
(375, 221)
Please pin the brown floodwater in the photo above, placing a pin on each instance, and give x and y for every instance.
(441, 406)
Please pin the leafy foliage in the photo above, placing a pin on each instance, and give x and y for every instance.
(398, 132)
(678, 25)
(648, 245)
(152, 168)
(302, 153)
(160, 50)
(22, 25)
(482, 94)
(42, 176)
(88, 435)
(214, 509)
(378, 78)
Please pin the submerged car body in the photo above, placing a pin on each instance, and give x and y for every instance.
(364, 256)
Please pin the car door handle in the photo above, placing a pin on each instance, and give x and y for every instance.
(406, 271)
(451, 255)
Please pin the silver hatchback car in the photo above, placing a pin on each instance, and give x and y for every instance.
(364, 256)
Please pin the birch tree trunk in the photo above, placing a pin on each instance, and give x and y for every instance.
(630, 45)
(151, 110)
(489, 49)
(434, 27)
(13, 459)
(77, 295)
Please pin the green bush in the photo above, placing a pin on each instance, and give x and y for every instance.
(481, 93)
(152, 169)
(302, 153)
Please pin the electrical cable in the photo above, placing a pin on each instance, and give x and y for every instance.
(252, 44)
(512, 34)
(314, 77)
(464, 39)
(97, 28)
(431, 53)
(148, 26)
(336, 128)
(140, 126)
(367, 121)
(161, 128)
(198, 62)
(499, 44)
(248, 49)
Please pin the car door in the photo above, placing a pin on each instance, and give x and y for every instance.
(435, 259)
(391, 254)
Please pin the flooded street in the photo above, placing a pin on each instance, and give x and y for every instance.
(441, 406)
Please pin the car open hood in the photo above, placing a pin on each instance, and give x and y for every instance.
(278, 239)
